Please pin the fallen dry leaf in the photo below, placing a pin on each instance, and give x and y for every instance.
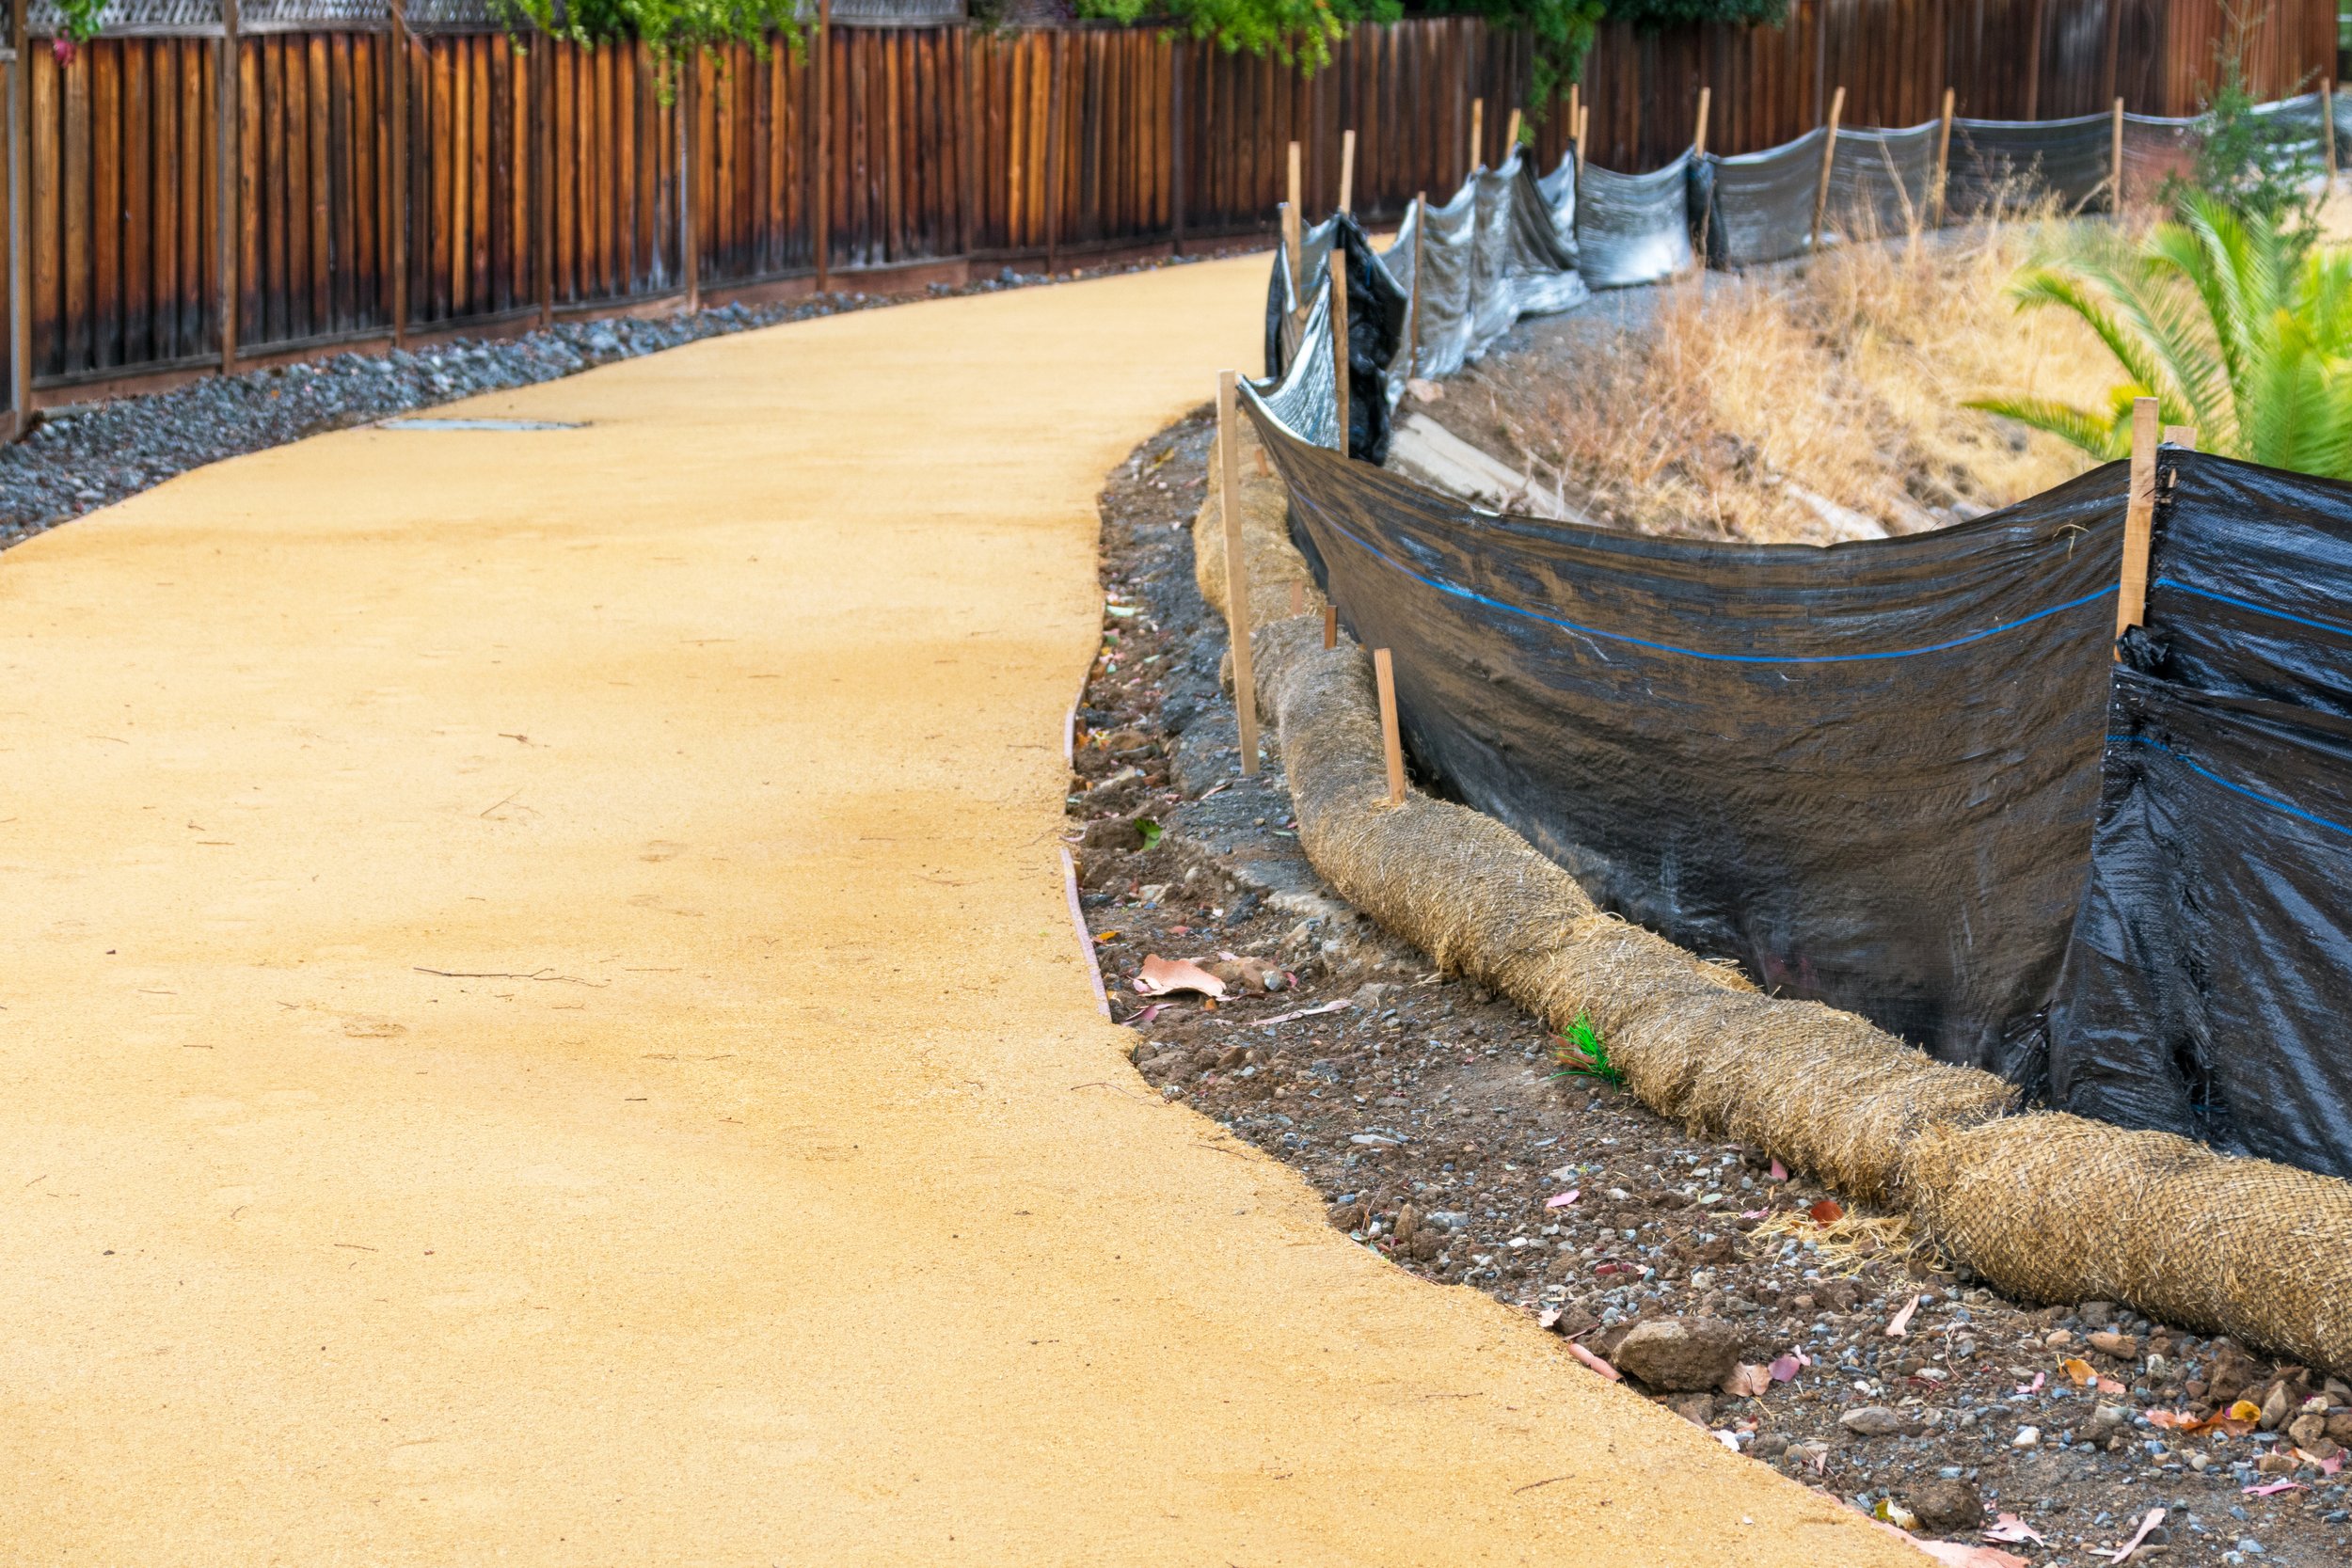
(2122, 1553)
(1159, 976)
(2007, 1526)
(1603, 1367)
(1786, 1368)
(1899, 1326)
(2246, 1410)
(1561, 1200)
(2271, 1489)
(2110, 1387)
(2077, 1371)
(1959, 1554)
(1729, 1439)
(1747, 1380)
(1828, 1212)
(1779, 1172)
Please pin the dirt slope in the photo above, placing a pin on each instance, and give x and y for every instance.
(540, 1024)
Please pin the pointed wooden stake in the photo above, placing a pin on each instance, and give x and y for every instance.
(1511, 136)
(1478, 134)
(1293, 237)
(1383, 676)
(1347, 171)
(1829, 156)
(1943, 157)
(2139, 518)
(1330, 626)
(1339, 341)
(1698, 133)
(1412, 297)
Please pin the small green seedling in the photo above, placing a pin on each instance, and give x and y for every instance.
(1150, 831)
(1582, 1054)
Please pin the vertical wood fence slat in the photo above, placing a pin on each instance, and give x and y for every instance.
(182, 200)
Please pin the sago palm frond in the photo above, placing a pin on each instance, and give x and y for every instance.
(2233, 326)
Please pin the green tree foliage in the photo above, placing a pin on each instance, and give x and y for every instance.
(2232, 322)
(2256, 163)
(1297, 32)
(1302, 31)
(671, 29)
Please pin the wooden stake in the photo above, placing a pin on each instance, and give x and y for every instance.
(1511, 136)
(2180, 436)
(1339, 341)
(689, 221)
(1383, 676)
(1478, 134)
(2139, 517)
(1294, 233)
(1056, 50)
(1576, 107)
(1412, 297)
(821, 95)
(1347, 171)
(542, 188)
(230, 160)
(1236, 571)
(1583, 127)
(2115, 159)
(1829, 155)
(1330, 626)
(1943, 157)
(1298, 598)
(20, 226)
(1698, 133)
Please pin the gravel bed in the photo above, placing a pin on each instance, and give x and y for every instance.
(78, 459)
(1444, 1132)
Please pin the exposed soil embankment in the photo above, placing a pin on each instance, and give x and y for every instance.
(1439, 1124)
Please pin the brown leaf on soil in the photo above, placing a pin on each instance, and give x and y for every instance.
(2077, 1371)
(1159, 976)
(1828, 1212)
(1747, 1380)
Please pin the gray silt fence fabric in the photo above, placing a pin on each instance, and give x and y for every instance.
(2046, 1206)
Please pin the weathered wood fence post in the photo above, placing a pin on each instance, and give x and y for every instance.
(20, 222)
(230, 159)
(397, 213)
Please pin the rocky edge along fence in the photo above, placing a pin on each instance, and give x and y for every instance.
(211, 185)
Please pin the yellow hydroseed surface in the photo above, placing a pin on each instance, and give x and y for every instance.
(539, 1024)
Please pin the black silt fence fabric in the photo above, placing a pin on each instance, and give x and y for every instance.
(1998, 163)
(1633, 228)
(1376, 307)
(1763, 203)
(1865, 773)
(2210, 972)
(1880, 181)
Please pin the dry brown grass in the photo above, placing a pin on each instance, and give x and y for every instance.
(1808, 404)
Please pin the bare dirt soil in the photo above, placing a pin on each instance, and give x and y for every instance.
(1445, 1133)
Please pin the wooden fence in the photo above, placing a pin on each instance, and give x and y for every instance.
(195, 190)
(2003, 60)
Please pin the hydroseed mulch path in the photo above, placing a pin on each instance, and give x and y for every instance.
(1444, 1134)
(541, 1010)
